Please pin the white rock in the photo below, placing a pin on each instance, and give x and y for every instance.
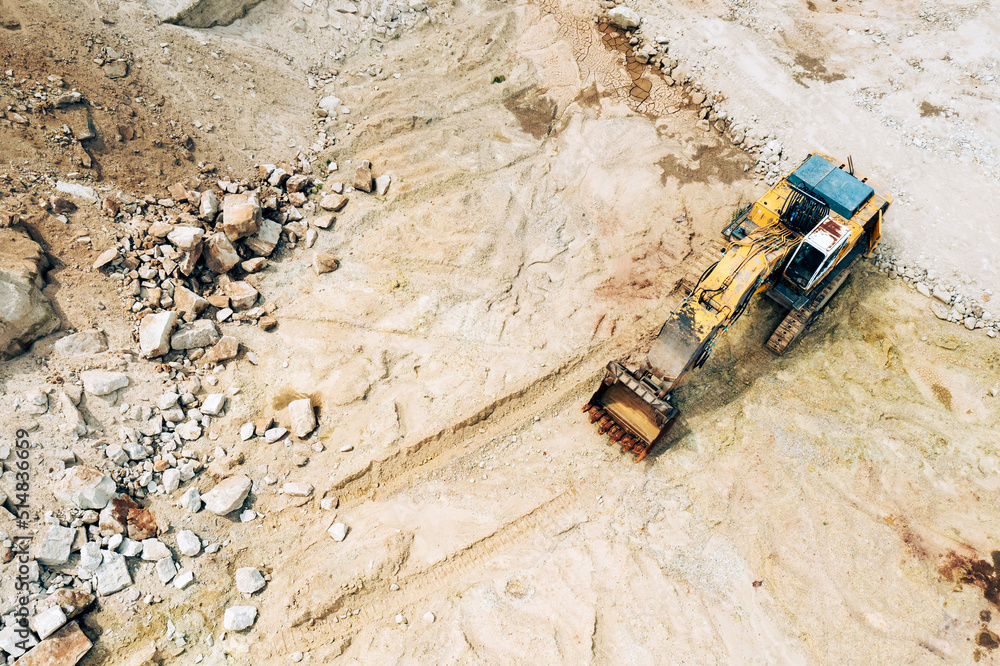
(77, 190)
(113, 574)
(14, 643)
(171, 480)
(91, 557)
(84, 342)
(238, 618)
(166, 569)
(154, 333)
(302, 417)
(167, 400)
(272, 435)
(130, 548)
(382, 184)
(105, 258)
(248, 515)
(338, 531)
(85, 488)
(183, 579)
(297, 489)
(54, 545)
(103, 382)
(249, 580)
(208, 206)
(228, 495)
(247, 431)
(46, 622)
(191, 500)
(154, 550)
(429, 618)
(330, 104)
(185, 237)
(623, 17)
(214, 404)
(188, 543)
(199, 333)
(189, 430)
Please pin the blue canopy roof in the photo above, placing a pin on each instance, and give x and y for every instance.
(841, 191)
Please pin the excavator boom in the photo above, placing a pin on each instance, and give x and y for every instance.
(635, 406)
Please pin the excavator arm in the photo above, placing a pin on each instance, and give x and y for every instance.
(634, 406)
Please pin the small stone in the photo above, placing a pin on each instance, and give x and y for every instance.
(228, 495)
(238, 618)
(188, 303)
(267, 323)
(266, 239)
(241, 216)
(130, 548)
(113, 574)
(64, 647)
(241, 294)
(116, 69)
(166, 569)
(188, 543)
(246, 431)
(154, 333)
(363, 177)
(338, 531)
(47, 621)
(324, 263)
(85, 488)
(223, 314)
(248, 515)
(214, 404)
(185, 237)
(272, 435)
(105, 258)
(54, 545)
(103, 382)
(171, 480)
(623, 17)
(84, 342)
(333, 202)
(429, 618)
(302, 417)
(226, 348)
(346, 447)
(220, 255)
(182, 580)
(254, 265)
(329, 503)
(208, 207)
(189, 430)
(943, 295)
(191, 500)
(970, 323)
(297, 183)
(940, 311)
(400, 618)
(297, 489)
(382, 184)
(154, 550)
(923, 289)
(249, 580)
(197, 334)
(323, 221)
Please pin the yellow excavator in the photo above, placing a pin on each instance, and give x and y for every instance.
(796, 244)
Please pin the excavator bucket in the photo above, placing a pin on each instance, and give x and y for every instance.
(628, 410)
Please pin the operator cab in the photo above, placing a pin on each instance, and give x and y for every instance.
(817, 254)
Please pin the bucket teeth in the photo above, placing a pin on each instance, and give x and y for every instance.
(605, 424)
(595, 414)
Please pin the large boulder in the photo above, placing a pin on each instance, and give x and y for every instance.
(26, 314)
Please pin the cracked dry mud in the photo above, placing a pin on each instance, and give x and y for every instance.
(835, 505)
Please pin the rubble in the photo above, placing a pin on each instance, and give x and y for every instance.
(112, 576)
(54, 546)
(241, 215)
(200, 333)
(188, 543)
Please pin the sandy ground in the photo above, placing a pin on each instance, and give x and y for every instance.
(807, 508)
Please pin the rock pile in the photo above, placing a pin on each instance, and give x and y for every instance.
(947, 300)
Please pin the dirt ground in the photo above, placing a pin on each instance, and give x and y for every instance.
(819, 507)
